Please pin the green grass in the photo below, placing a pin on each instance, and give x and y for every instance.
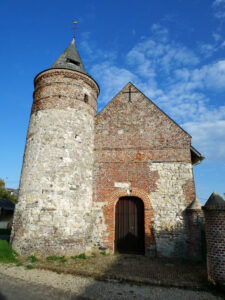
(105, 253)
(33, 258)
(54, 258)
(7, 254)
(30, 267)
(82, 256)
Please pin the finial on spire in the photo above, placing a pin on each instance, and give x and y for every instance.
(74, 23)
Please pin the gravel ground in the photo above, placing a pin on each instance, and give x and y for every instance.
(33, 282)
(137, 268)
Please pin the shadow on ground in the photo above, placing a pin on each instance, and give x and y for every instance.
(133, 268)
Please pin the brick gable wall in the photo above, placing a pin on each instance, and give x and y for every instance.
(136, 144)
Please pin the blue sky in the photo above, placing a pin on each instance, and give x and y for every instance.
(172, 50)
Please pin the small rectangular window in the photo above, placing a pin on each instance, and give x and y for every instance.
(74, 62)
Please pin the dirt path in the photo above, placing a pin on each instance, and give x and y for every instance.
(18, 283)
(17, 289)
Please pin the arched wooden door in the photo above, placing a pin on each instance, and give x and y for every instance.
(129, 226)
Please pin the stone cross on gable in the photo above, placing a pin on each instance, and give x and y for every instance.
(129, 92)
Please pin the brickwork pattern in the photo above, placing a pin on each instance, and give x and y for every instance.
(63, 89)
(109, 214)
(77, 165)
(136, 144)
(215, 241)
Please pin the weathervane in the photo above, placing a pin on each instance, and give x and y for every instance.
(74, 23)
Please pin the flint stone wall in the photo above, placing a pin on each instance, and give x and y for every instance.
(169, 202)
(76, 168)
(53, 214)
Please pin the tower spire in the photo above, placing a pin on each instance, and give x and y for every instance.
(70, 58)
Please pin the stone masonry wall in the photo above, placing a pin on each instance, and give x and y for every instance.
(169, 202)
(139, 151)
(55, 199)
(196, 234)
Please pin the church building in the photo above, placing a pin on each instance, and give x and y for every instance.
(120, 180)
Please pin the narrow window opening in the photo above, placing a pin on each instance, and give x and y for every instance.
(74, 62)
(85, 98)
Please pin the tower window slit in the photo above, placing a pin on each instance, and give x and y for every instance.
(86, 98)
(74, 62)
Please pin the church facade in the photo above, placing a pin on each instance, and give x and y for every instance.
(121, 179)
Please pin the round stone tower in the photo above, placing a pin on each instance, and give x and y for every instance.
(53, 214)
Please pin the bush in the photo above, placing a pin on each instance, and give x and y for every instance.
(2, 183)
(7, 254)
(6, 195)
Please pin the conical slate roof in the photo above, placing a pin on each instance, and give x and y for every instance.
(70, 59)
(196, 204)
(215, 200)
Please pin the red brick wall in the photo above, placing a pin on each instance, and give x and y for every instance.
(129, 136)
(109, 213)
(59, 89)
(215, 242)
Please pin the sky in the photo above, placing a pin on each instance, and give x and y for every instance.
(171, 50)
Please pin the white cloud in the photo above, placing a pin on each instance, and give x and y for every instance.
(209, 137)
(218, 2)
(173, 77)
(159, 52)
(112, 79)
(160, 32)
(211, 76)
(219, 8)
(216, 36)
(208, 49)
(92, 52)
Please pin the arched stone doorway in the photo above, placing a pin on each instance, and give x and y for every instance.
(129, 225)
